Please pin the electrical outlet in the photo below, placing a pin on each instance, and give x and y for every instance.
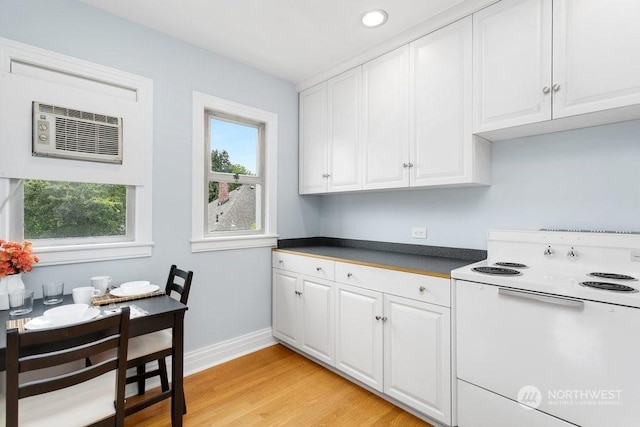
(419, 232)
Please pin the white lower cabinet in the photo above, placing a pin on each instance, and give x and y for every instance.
(303, 313)
(359, 334)
(417, 355)
(391, 330)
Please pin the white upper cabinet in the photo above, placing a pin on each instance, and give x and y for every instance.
(442, 146)
(345, 121)
(386, 120)
(538, 61)
(596, 55)
(313, 137)
(512, 64)
(330, 143)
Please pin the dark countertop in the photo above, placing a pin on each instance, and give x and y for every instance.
(431, 260)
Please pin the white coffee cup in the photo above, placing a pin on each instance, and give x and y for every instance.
(101, 283)
(84, 294)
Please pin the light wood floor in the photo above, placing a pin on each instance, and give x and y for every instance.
(276, 387)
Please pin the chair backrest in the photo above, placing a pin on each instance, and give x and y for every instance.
(174, 285)
(33, 350)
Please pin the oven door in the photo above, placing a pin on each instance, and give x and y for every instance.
(577, 360)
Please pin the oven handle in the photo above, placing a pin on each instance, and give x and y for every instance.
(566, 302)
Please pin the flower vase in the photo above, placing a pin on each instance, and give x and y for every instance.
(9, 284)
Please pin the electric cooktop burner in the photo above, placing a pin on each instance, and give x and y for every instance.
(609, 286)
(511, 264)
(497, 271)
(612, 276)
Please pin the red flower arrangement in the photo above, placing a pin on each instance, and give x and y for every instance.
(16, 257)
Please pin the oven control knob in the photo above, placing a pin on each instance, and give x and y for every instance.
(572, 255)
(549, 253)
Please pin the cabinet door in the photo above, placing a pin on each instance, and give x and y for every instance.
(285, 306)
(512, 64)
(440, 131)
(344, 150)
(417, 356)
(359, 334)
(386, 120)
(596, 55)
(318, 316)
(313, 140)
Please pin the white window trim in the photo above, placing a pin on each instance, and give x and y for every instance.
(200, 242)
(142, 87)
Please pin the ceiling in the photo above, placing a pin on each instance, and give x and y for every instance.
(291, 39)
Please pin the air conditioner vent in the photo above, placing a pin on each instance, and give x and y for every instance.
(74, 134)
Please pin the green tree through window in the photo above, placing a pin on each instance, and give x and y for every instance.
(220, 163)
(54, 209)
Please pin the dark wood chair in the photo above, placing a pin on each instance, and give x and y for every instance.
(85, 395)
(156, 346)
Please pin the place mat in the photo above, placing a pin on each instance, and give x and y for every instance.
(17, 323)
(112, 299)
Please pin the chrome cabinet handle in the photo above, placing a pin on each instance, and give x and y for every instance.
(410, 164)
(405, 165)
(549, 253)
(422, 289)
(572, 255)
(384, 318)
(318, 268)
(349, 274)
(378, 317)
(298, 293)
(546, 90)
(281, 261)
(556, 87)
(566, 302)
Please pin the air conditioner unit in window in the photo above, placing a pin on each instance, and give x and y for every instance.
(72, 134)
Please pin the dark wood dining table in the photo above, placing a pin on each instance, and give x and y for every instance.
(164, 312)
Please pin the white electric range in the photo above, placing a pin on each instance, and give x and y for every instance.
(548, 330)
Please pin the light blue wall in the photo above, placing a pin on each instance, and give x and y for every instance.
(582, 179)
(231, 294)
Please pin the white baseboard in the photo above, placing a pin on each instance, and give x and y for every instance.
(207, 357)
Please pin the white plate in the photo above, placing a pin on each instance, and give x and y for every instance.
(118, 292)
(44, 322)
(66, 309)
(132, 287)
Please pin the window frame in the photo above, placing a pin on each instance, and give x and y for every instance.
(89, 249)
(201, 239)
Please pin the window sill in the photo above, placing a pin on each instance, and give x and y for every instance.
(57, 255)
(234, 242)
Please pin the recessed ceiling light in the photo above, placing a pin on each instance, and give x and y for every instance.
(374, 18)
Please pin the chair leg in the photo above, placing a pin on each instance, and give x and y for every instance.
(141, 369)
(164, 382)
(164, 378)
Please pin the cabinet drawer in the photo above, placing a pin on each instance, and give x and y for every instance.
(307, 265)
(435, 290)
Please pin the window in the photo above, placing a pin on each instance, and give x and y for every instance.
(233, 176)
(74, 210)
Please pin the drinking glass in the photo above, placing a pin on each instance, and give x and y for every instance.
(52, 293)
(20, 302)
